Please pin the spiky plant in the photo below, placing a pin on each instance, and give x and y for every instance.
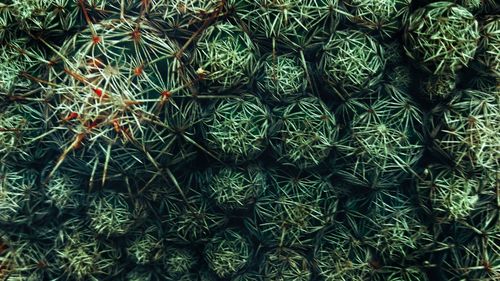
(247, 276)
(352, 63)
(468, 134)
(26, 253)
(51, 17)
(65, 191)
(192, 220)
(17, 188)
(292, 23)
(477, 259)
(225, 56)
(179, 261)
(444, 47)
(21, 129)
(228, 252)
(448, 194)
(342, 254)
(294, 208)
(385, 137)
(115, 73)
(283, 264)
(82, 257)
(304, 133)
(439, 87)
(183, 18)
(489, 51)
(283, 78)
(399, 234)
(237, 187)
(384, 18)
(238, 128)
(112, 213)
(145, 245)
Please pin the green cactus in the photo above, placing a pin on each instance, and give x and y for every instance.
(444, 47)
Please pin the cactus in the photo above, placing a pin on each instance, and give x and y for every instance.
(238, 128)
(305, 133)
(228, 252)
(444, 47)
(382, 17)
(352, 63)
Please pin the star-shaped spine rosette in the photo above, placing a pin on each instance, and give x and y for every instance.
(304, 133)
(225, 56)
(237, 128)
(115, 77)
(384, 18)
(293, 24)
(352, 63)
(441, 37)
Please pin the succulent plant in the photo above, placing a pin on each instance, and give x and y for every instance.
(444, 47)
(383, 17)
(488, 52)
(193, 220)
(237, 188)
(228, 252)
(284, 78)
(111, 213)
(238, 128)
(17, 186)
(467, 135)
(293, 209)
(341, 252)
(304, 133)
(225, 56)
(82, 257)
(146, 246)
(290, 22)
(285, 264)
(352, 63)
(179, 261)
(65, 191)
(450, 194)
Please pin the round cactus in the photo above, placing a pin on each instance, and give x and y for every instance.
(385, 135)
(225, 56)
(291, 22)
(294, 207)
(237, 188)
(145, 246)
(65, 191)
(179, 261)
(228, 252)
(449, 194)
(181, 18)
(383, 17)
(444, 47)
(399, 232)
(304, 133)
(489, 50)
(238, 128)
(116, 74)
(467, 135)
(284, 78)
(84, 257)
(111, 213)
(17, 186)
(284, 264)
(21, 129)
(193, 221)
(352, 62)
